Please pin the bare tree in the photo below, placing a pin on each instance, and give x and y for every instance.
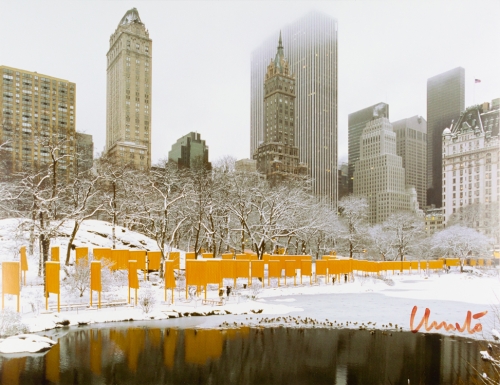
(404, 229)
(381, 241)
(461, 242)
(353, 213)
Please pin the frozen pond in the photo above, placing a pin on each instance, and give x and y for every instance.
(166, 352)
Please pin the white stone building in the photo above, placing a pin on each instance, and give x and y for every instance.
(379, 174)
(471, 189)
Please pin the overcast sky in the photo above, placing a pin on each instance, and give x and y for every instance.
(201, 57)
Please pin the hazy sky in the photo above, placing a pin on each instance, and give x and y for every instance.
(201, 57)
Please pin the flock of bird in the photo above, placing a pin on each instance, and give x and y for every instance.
(307, 322)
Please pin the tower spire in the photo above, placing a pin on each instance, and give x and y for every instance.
(280, 45)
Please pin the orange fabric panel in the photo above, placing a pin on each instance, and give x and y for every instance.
(306, 267)
(227, 256)
(101, 253)
(154, 258)
(480, 262)
(274, 269)
(452, 262)
(169, 274)
(228, 268)
(257, 269)
(191, 255)
(333, 266)
(81, 252)
(52, 277)
(207, 255)
(240, 257)
(176, 257)
(414, 265)
(54, 253)
(139, 256)
(95, 275)
(133, 280)
(321, 267)
(120, 259)
(24, 260)
(195, 272)
(435, 265)
(290, 268)
(243, 269)
(11, 278)
(213, 270)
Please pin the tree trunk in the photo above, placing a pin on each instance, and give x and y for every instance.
(70, 243)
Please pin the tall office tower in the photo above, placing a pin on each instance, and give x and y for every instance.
(278, 157)
(356, 124)
(37, 115)
(411, 146)
(379, 175)
(128, 99)
(343, 181)
(445, 102)
(311, 46)
(471, 169)
(190, 151)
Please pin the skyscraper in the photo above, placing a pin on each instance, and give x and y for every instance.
(356, 124)
(379, 175)
(37, 115)
(277, 157)
(311, 46)
(445, 102)
(128, 102)
(190, 151)
(411, 146)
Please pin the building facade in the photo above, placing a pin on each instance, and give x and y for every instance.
(343, 180)
(85, 151)
(434, 220)
(411, 146)
(190, 151)
(379, 175)
(311, 47)
(278, 157)
(445, 102)
(128, 98)
(356, 124)
(471, 172)
(37, 115)
(245, 165)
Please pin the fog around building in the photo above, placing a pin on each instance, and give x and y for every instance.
(201, 58)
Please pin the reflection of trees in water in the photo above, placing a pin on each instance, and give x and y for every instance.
(273, 356)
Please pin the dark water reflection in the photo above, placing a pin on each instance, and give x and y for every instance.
(148, 355)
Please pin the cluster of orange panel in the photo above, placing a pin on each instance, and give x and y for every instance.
(202, 272)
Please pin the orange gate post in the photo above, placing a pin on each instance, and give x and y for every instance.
(169, 278)
(11, 276)
(133, 281)
(24, 263)
(95, 280)
(52, 283)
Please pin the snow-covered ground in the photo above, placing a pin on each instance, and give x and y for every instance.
(368, 302)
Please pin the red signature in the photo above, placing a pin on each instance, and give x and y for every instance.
(448, 327)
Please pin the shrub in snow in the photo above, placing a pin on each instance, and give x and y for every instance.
(36, 301)
(78, 276)
(147, 299)
(10, 323)
(256, 290)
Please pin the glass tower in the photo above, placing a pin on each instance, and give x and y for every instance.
(311, 46)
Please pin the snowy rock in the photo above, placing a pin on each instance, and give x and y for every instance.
(485, 355)
(29, 343)
(496, 334)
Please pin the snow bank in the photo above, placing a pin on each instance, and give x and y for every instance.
(25, 343)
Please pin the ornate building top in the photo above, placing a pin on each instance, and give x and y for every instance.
(279, 65)
(132, 16)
